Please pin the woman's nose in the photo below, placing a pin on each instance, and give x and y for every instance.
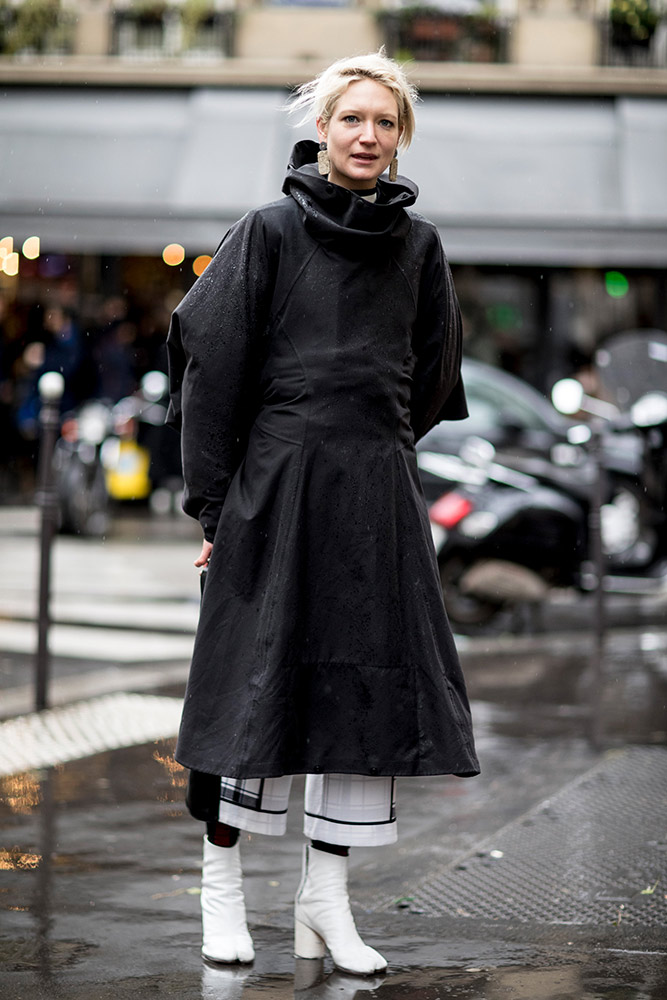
(367, 132)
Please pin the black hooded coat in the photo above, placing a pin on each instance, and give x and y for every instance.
(323, 339)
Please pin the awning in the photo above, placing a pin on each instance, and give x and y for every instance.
(508, 180)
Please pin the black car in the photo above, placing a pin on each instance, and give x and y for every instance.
(504, 410)
(528, 434)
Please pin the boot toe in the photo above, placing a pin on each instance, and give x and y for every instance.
(362, 962)
(229, 950)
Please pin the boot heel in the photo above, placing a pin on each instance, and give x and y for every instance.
(307, 944)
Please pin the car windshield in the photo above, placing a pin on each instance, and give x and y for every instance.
(497, 401)
(490, 405)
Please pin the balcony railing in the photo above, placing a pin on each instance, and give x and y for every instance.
(165, 33)
(429, 34)
(619, 47)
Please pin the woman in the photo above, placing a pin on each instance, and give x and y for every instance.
(320, 343)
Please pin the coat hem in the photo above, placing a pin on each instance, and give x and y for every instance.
(398, 769)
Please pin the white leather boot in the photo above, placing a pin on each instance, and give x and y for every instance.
(323, 919)
(225, 937)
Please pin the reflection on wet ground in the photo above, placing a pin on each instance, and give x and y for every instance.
(557, 694)
(99, 864)
(634, 977)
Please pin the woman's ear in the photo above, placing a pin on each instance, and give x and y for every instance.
(321, 130)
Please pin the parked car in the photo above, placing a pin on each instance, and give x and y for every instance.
(504, 537)
(526, 431)
(504, 410)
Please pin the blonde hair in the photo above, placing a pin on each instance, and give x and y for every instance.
(319, 97)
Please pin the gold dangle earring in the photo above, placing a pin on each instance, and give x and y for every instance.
(393, 167)
(323, 161)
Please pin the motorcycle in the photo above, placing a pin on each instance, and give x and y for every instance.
(116, 453)
(633, 371)
(504, 537)
(79, 476)
(142, 459)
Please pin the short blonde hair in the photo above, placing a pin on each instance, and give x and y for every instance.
(319, 97)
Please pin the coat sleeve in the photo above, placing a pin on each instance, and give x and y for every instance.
(437, 389)
(215, 351)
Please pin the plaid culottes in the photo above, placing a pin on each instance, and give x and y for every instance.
(353, 810)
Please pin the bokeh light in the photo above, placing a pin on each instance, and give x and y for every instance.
(616, 284)
(10, 264)
(174, 254)
(31, 247)
(200, 263)
(6, 246)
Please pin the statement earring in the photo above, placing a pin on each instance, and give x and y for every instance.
(393, 167)
(323, 161)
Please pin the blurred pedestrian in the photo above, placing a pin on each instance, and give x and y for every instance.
(319, 344)
(58, 350)
(113, 346)
(7, 429)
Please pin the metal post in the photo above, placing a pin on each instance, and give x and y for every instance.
(51, 386)
(599, 566)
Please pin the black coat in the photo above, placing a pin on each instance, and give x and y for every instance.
(321, 341)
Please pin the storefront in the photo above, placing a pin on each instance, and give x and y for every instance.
(553, 212)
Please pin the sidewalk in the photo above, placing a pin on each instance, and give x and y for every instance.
(544, 878)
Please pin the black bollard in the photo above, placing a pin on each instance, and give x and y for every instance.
(51, 386)
(599, 561)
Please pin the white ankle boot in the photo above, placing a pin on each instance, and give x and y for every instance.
(323, 918)
(225, 937)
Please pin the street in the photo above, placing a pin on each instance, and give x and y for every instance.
(544, 878)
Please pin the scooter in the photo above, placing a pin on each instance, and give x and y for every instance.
(83, 498)
(142, 458)
(633, 371)
(504, 538)
(117, 453)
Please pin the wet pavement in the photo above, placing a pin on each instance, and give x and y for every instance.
(544, 878)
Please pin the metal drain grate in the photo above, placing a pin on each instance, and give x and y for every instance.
(595, 853)
(85, 728)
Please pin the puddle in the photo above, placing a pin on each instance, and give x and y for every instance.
(550, 696)
(616, 976)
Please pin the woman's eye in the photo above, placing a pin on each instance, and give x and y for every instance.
(386, 123)
(350, 118)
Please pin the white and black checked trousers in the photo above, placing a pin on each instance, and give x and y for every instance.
(352, 810)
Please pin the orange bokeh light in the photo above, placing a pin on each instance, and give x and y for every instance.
(174, 254)
(200, 263)
(10, 264)
(31, 247)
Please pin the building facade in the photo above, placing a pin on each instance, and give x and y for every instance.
(127, 128)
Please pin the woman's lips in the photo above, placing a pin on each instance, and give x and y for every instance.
(364, 157)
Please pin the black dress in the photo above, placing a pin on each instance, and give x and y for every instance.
(321, 341)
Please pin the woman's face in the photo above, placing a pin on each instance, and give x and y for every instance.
(361, 135)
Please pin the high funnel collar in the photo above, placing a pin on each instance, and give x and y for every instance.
(334, 215)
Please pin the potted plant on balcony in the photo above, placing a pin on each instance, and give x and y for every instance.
(632, 22)
(432, 33)
(207, 32)
(38, 26)
(148, 12)
(195, 15)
